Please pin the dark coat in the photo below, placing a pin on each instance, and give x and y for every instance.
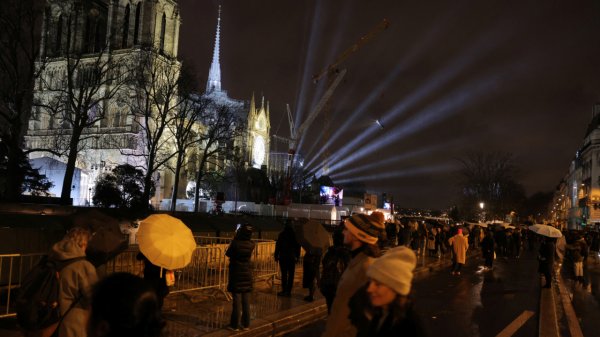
(408, 322)
(287, 248)
(310, 269)
(487, 246)
(546, 257)
(240, 267)
(409, 325)
(335, 262)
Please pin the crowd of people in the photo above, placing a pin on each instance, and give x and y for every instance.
(367, 293)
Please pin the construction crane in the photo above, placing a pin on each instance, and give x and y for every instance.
(334, 78)
(297, 134)
(332, 69)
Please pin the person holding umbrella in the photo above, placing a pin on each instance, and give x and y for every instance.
(240, 276)
(156, 278)
(315, 240)
(166, 244)
(546, 260)
(287, 252)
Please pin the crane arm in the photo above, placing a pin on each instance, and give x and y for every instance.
(384, 24)
(291, 122)
(283, 139)
(300, 131)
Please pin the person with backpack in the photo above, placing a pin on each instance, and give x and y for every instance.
(56, 294)
(76, 281)
(334, 262)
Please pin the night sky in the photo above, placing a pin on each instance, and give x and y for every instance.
(445, 78)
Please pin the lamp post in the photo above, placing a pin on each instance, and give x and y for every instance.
(481, 207)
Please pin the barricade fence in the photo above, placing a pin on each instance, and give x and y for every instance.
(207, 270)
(13, 267)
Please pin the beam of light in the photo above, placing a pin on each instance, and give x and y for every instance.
(476, 51)
(394, 159)
(333, 48)
(375, 94)
(434, 113)
(309, 61)
(416, 171)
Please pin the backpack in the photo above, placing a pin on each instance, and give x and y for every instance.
(37, 303)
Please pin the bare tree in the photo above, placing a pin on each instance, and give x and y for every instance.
(491, 178)
(186, 126)
(221, 127)
(20, 22)
(77, 94)
(156, 106)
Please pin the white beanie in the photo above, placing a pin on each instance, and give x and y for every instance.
(394, 269)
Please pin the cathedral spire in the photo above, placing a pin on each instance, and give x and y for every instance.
(252, 106)
(214, 75)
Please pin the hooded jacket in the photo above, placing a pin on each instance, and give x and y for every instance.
(76, 281)
(459, 244)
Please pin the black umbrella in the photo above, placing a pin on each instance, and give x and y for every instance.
(312, 236)
(107, 240)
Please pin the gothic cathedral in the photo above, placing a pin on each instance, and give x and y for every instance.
(122, 29)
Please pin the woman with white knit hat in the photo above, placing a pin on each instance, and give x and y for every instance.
(389, 305)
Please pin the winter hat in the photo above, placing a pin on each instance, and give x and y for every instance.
(394, 269)
(366, 228)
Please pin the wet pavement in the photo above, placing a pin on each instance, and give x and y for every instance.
(202, 313)
(477, 303)
(584, 298)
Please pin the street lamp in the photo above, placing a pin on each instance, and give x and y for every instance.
(481, 206)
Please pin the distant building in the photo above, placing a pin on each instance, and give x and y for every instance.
(576, 202)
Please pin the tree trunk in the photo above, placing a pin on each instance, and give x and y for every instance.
(176, 182)
(148, 184)
(197, 188)
(65, 195)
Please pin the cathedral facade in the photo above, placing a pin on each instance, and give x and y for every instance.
(123, 29)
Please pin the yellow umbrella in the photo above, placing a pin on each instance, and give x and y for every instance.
(166, 241)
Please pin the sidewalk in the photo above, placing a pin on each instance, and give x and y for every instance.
(196, 314)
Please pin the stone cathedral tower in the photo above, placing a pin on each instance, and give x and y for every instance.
(123, 28)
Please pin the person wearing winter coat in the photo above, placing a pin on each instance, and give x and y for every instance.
(459, 245)
(576, 250)
(156, 277)
(287, 252)
(385, 299)
(240, 277)
(334, 262)
(311, 272)
(360, 236)
(546, 260)
(487, 249)
(76, 281)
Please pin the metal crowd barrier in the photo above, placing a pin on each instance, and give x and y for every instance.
(13, 267)
(207, 270)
